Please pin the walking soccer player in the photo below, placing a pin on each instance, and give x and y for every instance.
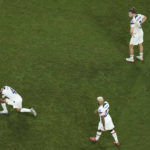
(137, 34)
(106, 123)
(11, 97)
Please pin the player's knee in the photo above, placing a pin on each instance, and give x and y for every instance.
(18, 109)
(112, 131)
(131, 45)
(141, 45)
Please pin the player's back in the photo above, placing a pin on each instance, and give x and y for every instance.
(9, 92)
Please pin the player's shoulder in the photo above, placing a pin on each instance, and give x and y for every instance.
(106, 104)
(139, 14)
(6, 86)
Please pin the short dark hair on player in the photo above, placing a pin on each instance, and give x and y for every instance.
(133, 10)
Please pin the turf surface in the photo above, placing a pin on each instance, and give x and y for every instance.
(60, 55)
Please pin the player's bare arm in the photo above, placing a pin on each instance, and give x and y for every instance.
(103, 121)
(144, 19)
(96, 111)
(131, 31)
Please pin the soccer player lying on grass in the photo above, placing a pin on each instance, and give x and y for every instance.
(105, 123)
(11, 97)
(137, 34)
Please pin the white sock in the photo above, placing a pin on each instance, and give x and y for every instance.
(141, 54)
(114, 136)
(132, 56)
(98, 134)
(4, 106)
(25, 110)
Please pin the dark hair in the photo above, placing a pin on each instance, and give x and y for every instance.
(133, 10)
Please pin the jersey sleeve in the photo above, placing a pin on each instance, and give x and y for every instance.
(132, 24)
(106, 105)
(142, 16)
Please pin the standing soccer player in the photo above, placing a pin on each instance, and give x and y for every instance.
(137, 34)
(106, 123)
(11, 97)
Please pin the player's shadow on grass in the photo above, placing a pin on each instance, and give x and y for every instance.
(18, 125)
(102, 21)
(103, 147)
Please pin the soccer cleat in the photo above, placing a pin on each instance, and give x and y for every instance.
(139, 58)
(130, 59)
(117, 144)
(3, 112)
(34, 112)
(93, 139)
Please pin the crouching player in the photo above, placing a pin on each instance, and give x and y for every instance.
(11, 97)
(105, 123)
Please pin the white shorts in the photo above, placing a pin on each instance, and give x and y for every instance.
(16, 102)
(137, 38)
(108, 124)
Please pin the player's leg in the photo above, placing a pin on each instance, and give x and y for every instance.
(140, 42)
(98, 134)
(23, 110)
(131, 58)
(114, 134)
(27, 110)
(110, 126)
(140, 57)
(18, 105)
(4, 111)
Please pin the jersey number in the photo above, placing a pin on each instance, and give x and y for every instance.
(13, 91)
(106, 112)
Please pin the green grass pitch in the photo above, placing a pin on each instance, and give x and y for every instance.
(60, 55)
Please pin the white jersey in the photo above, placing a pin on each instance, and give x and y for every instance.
(136, 23)
(9, 92)
(104, 109)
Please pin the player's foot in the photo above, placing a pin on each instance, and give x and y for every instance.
(139, 58)
(93, 139)
(34, 112)
(3, 112)
(117, 144)
(130, 59)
